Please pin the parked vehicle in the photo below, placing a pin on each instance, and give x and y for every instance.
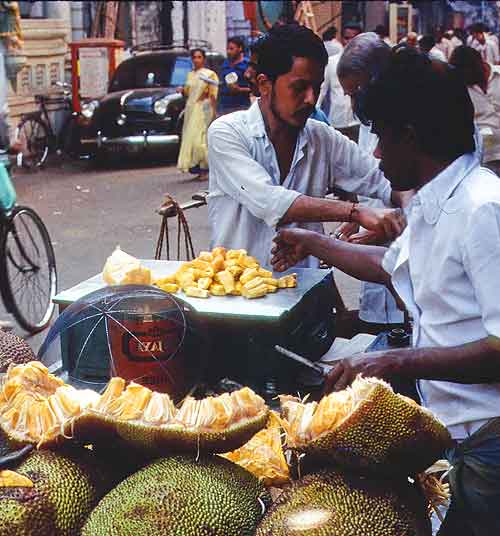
(142, 113)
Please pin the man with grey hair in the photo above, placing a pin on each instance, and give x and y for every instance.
(363, 59)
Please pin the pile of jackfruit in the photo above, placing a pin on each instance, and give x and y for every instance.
(222, 272)
(129, 462)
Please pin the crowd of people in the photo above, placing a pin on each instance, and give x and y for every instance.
(428, 240)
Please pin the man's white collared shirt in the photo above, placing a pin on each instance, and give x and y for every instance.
(445, 267)
(247, 201)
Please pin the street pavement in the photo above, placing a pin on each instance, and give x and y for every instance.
(89, 211)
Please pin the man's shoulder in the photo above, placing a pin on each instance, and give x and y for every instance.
(230, 121)
(480, 188)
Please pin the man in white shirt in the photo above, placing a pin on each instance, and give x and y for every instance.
(427, 44)
(445, 269)
(270, 165)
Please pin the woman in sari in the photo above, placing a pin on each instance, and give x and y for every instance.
(201, 90)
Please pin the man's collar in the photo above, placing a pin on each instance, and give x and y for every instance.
(434, 194)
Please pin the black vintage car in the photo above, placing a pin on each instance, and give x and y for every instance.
(142, 113)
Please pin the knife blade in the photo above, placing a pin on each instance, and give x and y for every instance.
(300, 359)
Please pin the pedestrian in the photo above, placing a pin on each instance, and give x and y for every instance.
(443, 43)
(486, 47)
(332, 44)
(383, 34)
(272, 166)
(201, 90)
(235, 92)
(483, 82)
(443, 267)
(427, 45)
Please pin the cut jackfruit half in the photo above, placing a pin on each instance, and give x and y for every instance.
(36, 407)
(367, 426)
(123, 269)
(263, 455)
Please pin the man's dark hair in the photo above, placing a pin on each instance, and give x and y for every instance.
(238, 41)
(329, 34)
(381, 30)
(426, 43)
(426, 95)
(469, 66)
(353, 26)
(193, 51)
(284, 43)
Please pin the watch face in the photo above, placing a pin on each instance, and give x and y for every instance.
(231, 78)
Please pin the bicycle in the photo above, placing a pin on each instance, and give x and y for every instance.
(36, 136)
(28, 275)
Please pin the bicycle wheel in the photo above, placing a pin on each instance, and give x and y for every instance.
(28, 270)
(33, 137)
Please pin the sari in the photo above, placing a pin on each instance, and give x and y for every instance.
(198, 114)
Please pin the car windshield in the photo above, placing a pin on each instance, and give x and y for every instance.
(155, 72)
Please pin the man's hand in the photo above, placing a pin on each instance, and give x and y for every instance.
(290, 248)
(388, 224)
(345, 230)
(384, 365)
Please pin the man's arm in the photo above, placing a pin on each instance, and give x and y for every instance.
(239, 176)
(361, 262)
(475, 362)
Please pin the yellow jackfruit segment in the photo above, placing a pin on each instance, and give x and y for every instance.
(263, 454)
(39, 419)
(11, 479)
(222, 273)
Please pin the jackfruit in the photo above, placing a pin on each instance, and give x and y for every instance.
(177, 496)
(65, 487)
(36, 407)
(123, 269)
(263, 455)
(333, 503)
(221, 273)
(13, 351)
(368, 427)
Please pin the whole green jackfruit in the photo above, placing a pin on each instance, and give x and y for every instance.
(66, 486)
(333, 503)
(13, 350)
(178, 496)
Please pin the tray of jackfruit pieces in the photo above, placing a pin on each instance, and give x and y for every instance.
(225, 277)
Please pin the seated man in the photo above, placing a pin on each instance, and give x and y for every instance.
(270, 165)
(444, 267)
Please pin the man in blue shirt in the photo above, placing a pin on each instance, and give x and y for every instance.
(234, 95)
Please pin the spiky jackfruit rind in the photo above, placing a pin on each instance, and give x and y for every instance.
(67, 486)
(95, 427)
(385, 434)
(181, 497)
(13, 350)
(332, 502)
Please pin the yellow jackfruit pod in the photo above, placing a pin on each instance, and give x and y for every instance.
(263, 455)
(235, 270)
(256, 292)
(237, 289)
(201, 265)
(288, 281)
(219, 251)
(255, 282)
(171, 288)
(230, 262)
(209, 272)
(271, 289)
(186, 280)
(235, 253)
(265, 273)
(11, 479)
(270, 281)
(204, 282)
(246, 261)
(218, 263)
(165, 280)
(196, 292)
(123, 269)
(216, 289)
(226, 279)
(205, 256)
(248, 274)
